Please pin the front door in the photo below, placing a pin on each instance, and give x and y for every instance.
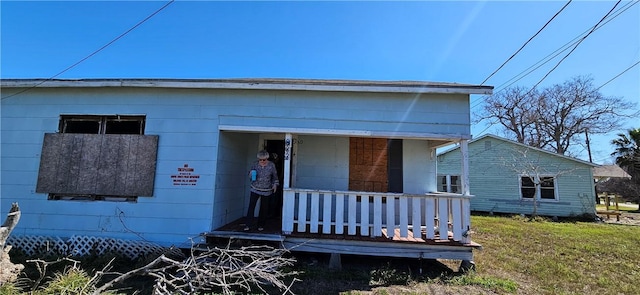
(275, 148)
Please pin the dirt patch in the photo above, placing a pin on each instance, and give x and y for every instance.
(626, 218)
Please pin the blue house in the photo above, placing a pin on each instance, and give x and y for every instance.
(510, 177)
(166, 160)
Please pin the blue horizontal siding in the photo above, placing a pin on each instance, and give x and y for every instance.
(22, 136)
(186, 121)
(495, 183)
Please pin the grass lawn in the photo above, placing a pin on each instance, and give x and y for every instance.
(559, 257)
(520, 256)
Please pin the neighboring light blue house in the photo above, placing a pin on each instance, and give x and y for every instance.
(503, 176)
(166, 160)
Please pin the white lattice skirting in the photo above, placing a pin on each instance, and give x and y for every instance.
(85, 245)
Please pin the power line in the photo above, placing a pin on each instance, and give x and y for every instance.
(552, 55)
(525, 44)
(597, 26)
(93, 53)
(618, 75)
(576, 46)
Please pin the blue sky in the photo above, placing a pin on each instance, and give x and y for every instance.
(450, 41)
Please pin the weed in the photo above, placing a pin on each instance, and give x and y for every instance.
(491, 283)
(9, 289)
(388, 275)
(71, 281)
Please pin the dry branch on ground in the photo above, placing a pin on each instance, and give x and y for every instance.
(223, 270)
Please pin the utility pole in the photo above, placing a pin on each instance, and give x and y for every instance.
(586, 135)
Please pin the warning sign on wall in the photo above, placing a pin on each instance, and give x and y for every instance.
(185, 176)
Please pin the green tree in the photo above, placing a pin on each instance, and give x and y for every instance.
(627, 152)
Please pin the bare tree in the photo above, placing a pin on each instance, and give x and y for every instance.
(512, 109)
(534, 169)
(554, 118)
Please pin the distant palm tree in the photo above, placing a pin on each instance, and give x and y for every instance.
(627, 152)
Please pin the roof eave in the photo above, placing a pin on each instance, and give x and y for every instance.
(523, 146)
(258, 84)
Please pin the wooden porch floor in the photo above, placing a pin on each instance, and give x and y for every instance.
(273, 228)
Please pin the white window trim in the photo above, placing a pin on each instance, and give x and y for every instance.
(449, 184)
(555, 189)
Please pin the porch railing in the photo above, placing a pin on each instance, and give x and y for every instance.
(439, 216)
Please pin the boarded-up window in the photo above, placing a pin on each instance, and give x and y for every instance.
(98, 158)
(98, 164)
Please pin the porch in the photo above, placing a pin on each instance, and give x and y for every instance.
(323, 209)
(429, 226)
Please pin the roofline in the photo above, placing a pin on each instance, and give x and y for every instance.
(351, 133)
(524, 146)
(258, 84)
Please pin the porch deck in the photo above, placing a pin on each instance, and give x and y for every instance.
(344, 223)
(396, 246)
(272, 232)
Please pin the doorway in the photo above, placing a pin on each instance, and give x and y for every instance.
(275, 148)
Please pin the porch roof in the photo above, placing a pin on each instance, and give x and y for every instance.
(260, 84)
(344, 132)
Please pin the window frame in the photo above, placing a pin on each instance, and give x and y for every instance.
(445, 184)
(103, 122)
(553, 187)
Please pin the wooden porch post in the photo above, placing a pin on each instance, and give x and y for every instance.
(288, 198)
(464, 181)
(288, 141)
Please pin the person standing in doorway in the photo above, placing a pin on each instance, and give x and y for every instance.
(264, 182)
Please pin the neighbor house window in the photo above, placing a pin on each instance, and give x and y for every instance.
(547, 187)
(98, 157)
(449, 183)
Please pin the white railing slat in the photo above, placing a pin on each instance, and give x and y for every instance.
(326, 213)
(430, 217)
(339, 214)
(391, 216)
(351, 214)
(416, 217)
(443, 218)
(404, 217)
(302, 212)
(315, 212)
(377, 216)
(456, 223)
(364, 215)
